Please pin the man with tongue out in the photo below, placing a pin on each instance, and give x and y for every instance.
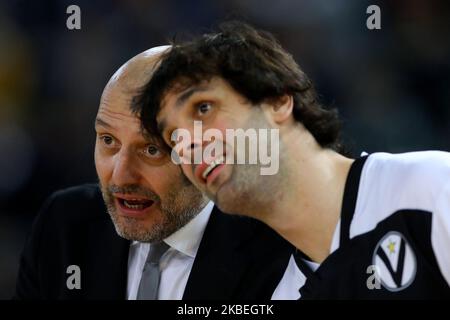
(144, 232)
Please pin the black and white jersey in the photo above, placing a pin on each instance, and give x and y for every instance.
(393, 238)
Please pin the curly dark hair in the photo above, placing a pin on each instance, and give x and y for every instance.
(253, 63)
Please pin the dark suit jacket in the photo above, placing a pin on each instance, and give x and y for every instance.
(238, 258)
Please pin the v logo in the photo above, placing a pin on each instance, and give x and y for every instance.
(395, 260)
(396, 274)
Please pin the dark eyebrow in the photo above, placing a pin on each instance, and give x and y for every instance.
(188, 93)
(179, 102)
(100, 122)
(149, 137)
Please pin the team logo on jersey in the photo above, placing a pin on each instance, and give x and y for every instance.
(395, 261)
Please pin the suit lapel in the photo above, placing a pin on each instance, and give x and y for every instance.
(219, 264)
(106, 261)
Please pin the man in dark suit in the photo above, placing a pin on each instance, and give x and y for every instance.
(143, 232)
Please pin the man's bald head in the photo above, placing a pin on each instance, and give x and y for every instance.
(136, 72)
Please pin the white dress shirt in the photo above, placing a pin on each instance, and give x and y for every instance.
(175, 264)
(293, 279)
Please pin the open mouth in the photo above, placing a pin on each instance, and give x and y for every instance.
(134, 204)
(213, 165)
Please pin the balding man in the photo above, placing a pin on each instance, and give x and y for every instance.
(144, 231)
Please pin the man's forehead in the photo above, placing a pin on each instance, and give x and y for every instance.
(114, 117)
(113, 92)
(116, 101)
(108, 117)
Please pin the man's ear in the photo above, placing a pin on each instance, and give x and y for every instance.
(280, 109)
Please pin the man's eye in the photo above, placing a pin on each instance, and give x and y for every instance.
(203, 108)
(107, 140)
(153, 151)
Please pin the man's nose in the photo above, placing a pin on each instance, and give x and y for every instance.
(195, 146)
(126, 169)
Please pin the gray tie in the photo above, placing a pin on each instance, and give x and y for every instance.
(148, 287)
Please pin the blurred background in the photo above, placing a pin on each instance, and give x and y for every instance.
(390, 85)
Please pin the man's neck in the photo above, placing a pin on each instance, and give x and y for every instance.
(312, 198)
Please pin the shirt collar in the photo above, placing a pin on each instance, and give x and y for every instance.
(187, 239)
